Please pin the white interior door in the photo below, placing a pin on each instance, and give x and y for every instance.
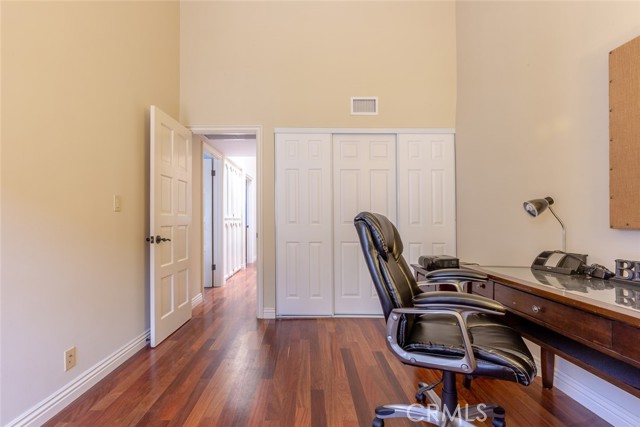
(218, 223)
(170, 224)
(234, 208)
(207, 221)
(426, 195)
(364, 179)
(303, 225)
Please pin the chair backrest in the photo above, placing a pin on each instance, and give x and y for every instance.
(382, 249)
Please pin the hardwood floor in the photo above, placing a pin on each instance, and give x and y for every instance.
(226, 368)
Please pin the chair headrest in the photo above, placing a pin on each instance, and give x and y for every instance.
(383, 234)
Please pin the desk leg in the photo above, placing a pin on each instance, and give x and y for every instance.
(548, 360)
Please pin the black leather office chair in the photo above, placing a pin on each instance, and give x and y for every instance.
(453, 332)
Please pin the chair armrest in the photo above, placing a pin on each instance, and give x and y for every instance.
(458, 285)
(466, 364)
(455, 277)
(459, 301)
(426, 283)
(459, 274)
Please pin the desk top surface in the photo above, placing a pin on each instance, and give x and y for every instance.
(595, 294)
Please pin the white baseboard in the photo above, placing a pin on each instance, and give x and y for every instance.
(600, 397)
(607, 401)
(268, 313)
(198, 299)
(53, 404)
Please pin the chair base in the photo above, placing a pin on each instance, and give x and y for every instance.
(432, 414)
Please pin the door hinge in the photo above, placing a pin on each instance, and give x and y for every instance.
(213, 267)
(213, 173)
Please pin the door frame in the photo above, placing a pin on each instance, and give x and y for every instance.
(216, 189)
(257, 131)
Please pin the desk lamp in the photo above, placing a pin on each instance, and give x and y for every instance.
(536, 206)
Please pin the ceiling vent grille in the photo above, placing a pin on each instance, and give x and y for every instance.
(364, 105)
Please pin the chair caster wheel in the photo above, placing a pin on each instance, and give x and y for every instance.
(377, 422)
(467, 381)
(498, 417)
(421, 397)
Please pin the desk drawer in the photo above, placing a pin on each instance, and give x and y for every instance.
(569, 321)
(625, 342)
(482, 288)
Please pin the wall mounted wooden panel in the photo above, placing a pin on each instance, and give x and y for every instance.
(624, 136)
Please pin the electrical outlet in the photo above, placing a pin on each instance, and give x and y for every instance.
(70, 358)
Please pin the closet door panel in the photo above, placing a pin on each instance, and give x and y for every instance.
(323, 181)
(381, 196)
(304, 245)
(426, 194)
(364, 171)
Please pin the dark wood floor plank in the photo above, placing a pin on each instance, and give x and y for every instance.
(225, 368)
(357, 390)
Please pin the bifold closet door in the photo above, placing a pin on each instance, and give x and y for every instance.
(426, 195)
(364, 179)
(304, 281)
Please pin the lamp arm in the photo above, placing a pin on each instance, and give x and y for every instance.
(564, 231)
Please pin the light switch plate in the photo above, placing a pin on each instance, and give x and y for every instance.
(117, 203)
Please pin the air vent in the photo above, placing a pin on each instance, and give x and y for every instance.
(364, 105)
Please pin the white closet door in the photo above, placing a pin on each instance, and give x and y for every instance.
(304, 283)
(364, 179)
(426, 194)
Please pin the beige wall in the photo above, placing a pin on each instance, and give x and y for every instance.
(532, 121)
(77, 80)
(296, 64)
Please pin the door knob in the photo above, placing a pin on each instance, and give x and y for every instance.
(162, 239)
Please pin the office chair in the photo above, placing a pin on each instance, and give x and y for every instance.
(454, 332)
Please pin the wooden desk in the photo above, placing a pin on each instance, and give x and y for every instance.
(592, 323)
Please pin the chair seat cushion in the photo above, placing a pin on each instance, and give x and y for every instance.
(500, 352)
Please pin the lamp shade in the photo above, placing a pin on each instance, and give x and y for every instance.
(536, 206)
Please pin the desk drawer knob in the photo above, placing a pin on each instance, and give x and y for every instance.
(536, 308)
